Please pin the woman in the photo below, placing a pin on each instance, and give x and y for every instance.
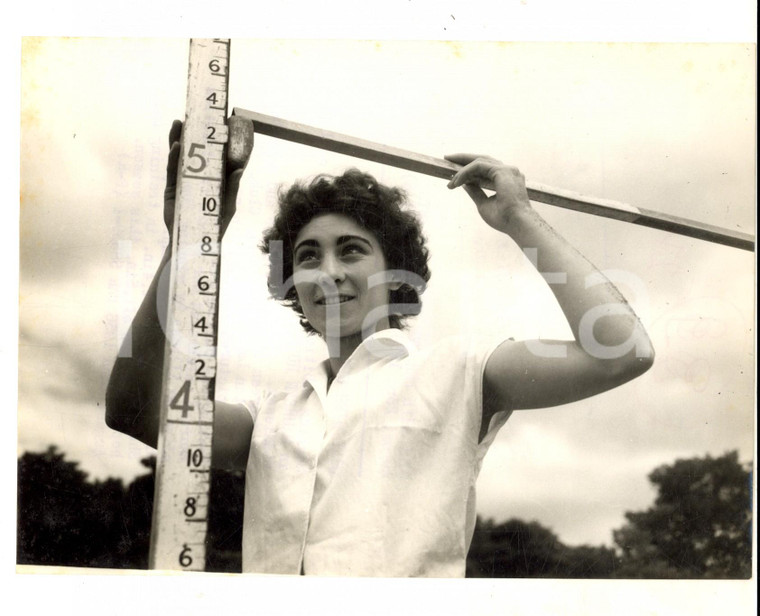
(370, 467)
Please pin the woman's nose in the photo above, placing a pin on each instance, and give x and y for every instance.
(332, 268)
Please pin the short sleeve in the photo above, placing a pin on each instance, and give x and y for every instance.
(481, 351)
(460, 361)
(254, 405)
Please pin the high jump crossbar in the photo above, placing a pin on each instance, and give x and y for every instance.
(440, 168)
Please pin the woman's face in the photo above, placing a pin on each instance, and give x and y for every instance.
(333, 260)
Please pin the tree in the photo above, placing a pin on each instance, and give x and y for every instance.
(134, 545)
(700, 525)
(521, 549)
(66, 520)
(225, 521)
(62, 518)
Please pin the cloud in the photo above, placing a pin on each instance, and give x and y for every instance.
(579, 467)
(92, 164)
(537, 471)
(64, 371)
(61, 401)
(78, 429)
(67, 344)
(624, 122)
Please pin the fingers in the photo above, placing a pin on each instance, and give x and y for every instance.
(485, 172)
(464, 159)
(476, 194)
(480, 171)
(172, 162)
(242, 139)
(239, 147)
(173, 158)
(175, 132)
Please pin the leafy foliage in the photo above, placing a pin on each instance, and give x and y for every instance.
(62, 518)
(700, 525)
(529, 550)
(65, 520)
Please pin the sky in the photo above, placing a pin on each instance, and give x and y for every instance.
(664, 126)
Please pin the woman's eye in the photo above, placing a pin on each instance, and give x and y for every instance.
(305, 257)
(353, 249)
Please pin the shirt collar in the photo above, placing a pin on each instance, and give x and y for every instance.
(390, 343)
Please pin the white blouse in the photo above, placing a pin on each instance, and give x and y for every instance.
(377, 476)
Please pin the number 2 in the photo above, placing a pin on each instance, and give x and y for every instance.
(201, 370)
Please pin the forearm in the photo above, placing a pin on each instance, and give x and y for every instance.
(601, 320)
(134, 388)
(609, 345)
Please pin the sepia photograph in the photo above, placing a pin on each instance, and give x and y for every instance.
(352, 309)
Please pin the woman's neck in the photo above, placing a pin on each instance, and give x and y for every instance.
(340, 349)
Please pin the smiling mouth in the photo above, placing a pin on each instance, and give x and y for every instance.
(333, 300)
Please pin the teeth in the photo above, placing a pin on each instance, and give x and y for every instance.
(334, 300)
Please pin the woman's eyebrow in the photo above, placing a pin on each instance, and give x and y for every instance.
(340, 240)
(313, 243)
(350, 238)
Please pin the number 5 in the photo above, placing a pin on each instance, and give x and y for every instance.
(192, 154)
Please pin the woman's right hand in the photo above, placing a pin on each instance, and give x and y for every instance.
(237, 129)
(479, 172)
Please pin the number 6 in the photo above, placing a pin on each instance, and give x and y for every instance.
(185, 559)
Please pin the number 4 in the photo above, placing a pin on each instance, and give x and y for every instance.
(181, 401)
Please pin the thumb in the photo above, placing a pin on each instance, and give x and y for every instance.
(477, 194)
(240, 143)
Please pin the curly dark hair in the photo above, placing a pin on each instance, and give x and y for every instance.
(376, 208)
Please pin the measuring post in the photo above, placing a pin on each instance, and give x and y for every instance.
(183, 469)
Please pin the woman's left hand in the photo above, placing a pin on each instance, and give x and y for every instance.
(484, 172)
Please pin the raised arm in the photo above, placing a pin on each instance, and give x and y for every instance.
(609, 345)
(134, 388)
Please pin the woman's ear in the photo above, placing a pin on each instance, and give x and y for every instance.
(393, 284)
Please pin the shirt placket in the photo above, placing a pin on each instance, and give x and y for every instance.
(328, 409)
(316, 433)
